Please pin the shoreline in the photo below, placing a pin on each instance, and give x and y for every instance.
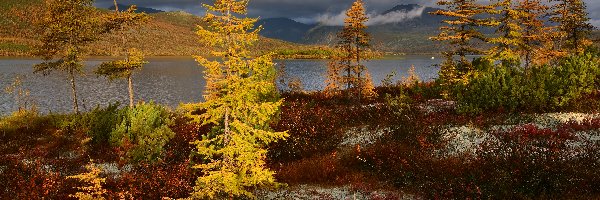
(386, 57)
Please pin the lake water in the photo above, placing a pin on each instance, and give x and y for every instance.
(169, 81)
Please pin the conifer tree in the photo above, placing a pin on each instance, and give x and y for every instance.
(461, 32)
(240, 101)
(522, 32)
(346, 68)
(534, 32)
(134, 59)
(66, 27)
(510, 32)
(573, 25)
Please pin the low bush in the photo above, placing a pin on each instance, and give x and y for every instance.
(316, 124)
(100, 122)
(143, 132)
(317, 169)
(153, 181)
(524, 162)
(540, 88)
(32, 180)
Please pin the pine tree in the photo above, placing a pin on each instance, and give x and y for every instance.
(461, 32)
(573, 26)
(66, 27)
(134, 59)
(240, 101)
(346, 68)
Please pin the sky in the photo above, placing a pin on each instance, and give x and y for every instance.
(310, 11)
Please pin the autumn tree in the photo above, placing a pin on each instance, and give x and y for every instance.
(347, 69)
(510, 32)
(573, 25)
(133, 58)
(240, 101)
(521, 30)
(536, 35)
(65, 27)
(462, 31)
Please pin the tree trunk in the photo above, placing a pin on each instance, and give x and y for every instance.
(348, 77)
(130, 82)
(116, 6)
(359, 80)
(74, 91)
(226, 122)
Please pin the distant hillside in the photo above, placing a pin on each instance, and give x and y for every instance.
(402, 8)
(167, 34)
(596, 37)
(284, 29)
(408, 36)
(139, 9)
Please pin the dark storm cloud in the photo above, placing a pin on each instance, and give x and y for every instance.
(303, 10)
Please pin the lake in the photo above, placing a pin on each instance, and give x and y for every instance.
(169, 80)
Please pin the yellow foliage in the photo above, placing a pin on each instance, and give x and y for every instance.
(412, 78)
(346, 70)
(241, 100)
(93, 190)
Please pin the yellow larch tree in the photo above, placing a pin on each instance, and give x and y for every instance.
(346, 68)
(124, 21)
(241, 100)
(462, 30)
(65, 27)
(573, 27)
(522, 32)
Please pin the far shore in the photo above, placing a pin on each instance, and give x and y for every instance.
(388, 56)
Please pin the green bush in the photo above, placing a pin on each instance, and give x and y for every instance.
(399, 103)
(143, 132)
(100, 122)
(539, 88)
(19, 121)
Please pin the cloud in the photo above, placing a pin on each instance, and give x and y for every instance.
(331, 20)
(395, 17)
(305, 10)
(374, 18)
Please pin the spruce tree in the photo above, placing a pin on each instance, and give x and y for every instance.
(346, 68)
(240, 101)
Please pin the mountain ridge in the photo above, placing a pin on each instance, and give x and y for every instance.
(407, 36)
(166, 34)
(139, 9)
